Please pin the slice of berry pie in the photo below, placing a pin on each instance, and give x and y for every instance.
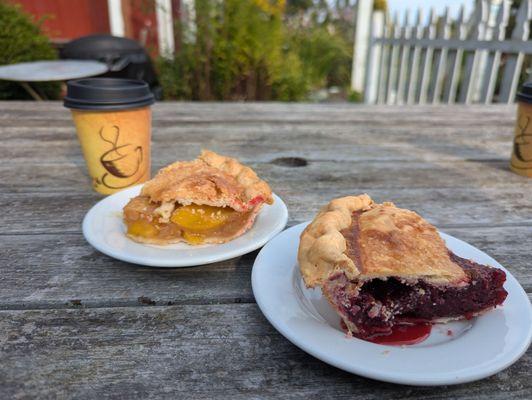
(212, 199)
(381, 266)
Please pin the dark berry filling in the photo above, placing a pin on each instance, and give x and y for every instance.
(377, 305)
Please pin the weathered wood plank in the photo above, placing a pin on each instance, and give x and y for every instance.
(486, 132)
(494, 59)
(43, 130)
(323, 175)
(391, 93)
(201, 337)
(426, 58)
(53, 114)
(483, 54)
(506, 46)
(417, 33)
(477, 24)
(54, 271)
(64, 271)
(374, 54)
(200, 352)
(488, 137)
(338, 145)
(440, 61)
(394, 137)
(37, 213)
(384, 71)
(455, 60)
(514, 63)
(404, 61)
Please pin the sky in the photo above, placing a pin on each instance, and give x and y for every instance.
(439, 6)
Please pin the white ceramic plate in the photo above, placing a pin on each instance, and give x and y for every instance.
(454, 353)
(104, 230)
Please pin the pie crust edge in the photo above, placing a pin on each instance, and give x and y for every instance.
(210, 179)
(322, 249)
(322, 246)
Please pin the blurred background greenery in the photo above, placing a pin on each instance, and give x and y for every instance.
(284, 50)
(21, 40)
(262, 50)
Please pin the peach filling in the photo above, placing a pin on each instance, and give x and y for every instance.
(194, 223)
(195, 218)
(142, 228)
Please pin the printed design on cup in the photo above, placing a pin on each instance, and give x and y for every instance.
(122, 162)
(522, 148)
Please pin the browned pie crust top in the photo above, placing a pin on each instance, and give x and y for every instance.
(352, 239)
(211, 179)
(390, 241)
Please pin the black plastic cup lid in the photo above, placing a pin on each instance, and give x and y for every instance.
(525, 94)
(107, 94)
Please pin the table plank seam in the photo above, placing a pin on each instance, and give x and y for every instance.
(142, 301)
(434, 160)
(523, 224)
(77, 304)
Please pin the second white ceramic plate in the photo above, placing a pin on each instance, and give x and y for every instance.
(104, 230)
(454, 353)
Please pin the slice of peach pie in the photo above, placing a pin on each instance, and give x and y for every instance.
(212, 199)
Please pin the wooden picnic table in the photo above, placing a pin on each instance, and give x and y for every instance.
(75, 323)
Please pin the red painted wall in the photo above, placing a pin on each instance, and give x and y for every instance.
(67, 19)
(141, 23)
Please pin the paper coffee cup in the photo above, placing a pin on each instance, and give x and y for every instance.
(113, 123)
(521, 161)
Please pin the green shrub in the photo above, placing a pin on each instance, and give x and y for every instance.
(355, 97)
(255, 50)
(291, 83)
(21, 40)
(381, 5)
(326, 56)
(239, 52)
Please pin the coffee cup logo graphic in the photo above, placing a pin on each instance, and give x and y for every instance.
(523, 143)
(522, 146)
(122, 162)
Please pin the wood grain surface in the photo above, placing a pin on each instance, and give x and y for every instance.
(77, 324)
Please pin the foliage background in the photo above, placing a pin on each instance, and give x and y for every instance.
(260, 50)
(21, 40)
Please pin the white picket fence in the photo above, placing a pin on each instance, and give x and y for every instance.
(466, 60)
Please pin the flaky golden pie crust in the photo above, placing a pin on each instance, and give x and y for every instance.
(212, 180)
(392, 242)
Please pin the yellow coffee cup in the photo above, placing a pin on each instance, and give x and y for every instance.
(113, 124)
(521, 161)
